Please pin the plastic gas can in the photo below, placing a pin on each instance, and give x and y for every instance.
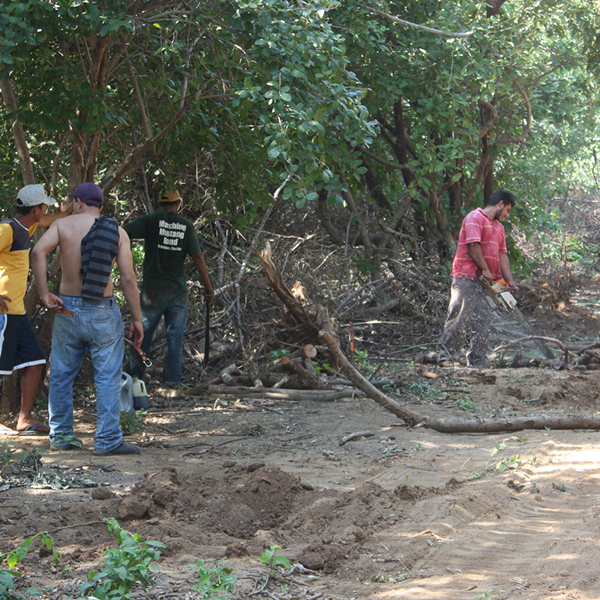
(140, 395)
(126, 398)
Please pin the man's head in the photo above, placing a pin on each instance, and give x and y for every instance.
(169, 200)
(89, 193)
(502, 201)
(33, 199)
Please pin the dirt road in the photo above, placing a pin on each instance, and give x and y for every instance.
(402, 513)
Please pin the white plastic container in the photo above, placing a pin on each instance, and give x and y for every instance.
(126, 398)
(140, 395)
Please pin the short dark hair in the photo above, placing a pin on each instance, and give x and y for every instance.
(25, 210)
(502, 196)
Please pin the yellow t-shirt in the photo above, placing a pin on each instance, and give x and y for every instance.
(14, 262)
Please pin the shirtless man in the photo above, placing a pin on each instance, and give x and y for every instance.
(88, 240)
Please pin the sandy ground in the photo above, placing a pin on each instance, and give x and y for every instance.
(398, 513)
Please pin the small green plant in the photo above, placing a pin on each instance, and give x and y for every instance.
(275, 354)
(363, 265)
(510, 462)
(422, 389)
(345, 481)
(489, 595)
(321, 368)
(379, 578)
(466, 404)
(132, 422)
(7, 576)
(360, 357)
(6, 454)
(15, 464)
(497, 449)
(253, 430)
(392, 450)
(124, 566)
(214, 583)
(270, 558)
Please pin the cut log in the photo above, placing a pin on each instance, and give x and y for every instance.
(310, 351)
(228, 373)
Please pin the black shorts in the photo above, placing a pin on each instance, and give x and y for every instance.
(19, 346)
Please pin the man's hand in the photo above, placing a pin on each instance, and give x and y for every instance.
(488, 275)
(53, 302)
(66, 206)
(512, 286)
(136, 332)
(208, 294)
(3, 305)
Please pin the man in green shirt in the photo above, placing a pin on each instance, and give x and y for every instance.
(168, 240)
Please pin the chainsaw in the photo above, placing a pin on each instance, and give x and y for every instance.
(499, 294)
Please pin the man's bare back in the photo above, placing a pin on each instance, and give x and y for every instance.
(71, 231)
(68, 237)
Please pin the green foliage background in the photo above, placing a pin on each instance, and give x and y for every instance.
(227, 100)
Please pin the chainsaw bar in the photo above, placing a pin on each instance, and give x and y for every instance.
(499, 296)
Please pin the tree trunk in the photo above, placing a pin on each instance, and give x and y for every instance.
(442, 223)
(323, 214)
(10, 102)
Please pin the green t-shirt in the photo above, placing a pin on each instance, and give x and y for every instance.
(168, 240)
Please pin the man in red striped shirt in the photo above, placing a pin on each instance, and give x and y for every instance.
(481, 252)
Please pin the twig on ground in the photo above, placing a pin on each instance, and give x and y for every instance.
(212, 447)
(535, 337)
(355, 435)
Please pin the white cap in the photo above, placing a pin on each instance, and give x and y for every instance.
(32, 195)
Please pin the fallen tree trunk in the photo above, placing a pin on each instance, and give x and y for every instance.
(447, 424)
(280, 394)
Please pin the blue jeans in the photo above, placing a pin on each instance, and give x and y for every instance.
(96, 326)
(173, 304)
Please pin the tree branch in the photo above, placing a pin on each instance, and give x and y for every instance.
(416, 26)
(383, 161)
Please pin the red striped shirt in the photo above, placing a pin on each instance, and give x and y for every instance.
(478, 227)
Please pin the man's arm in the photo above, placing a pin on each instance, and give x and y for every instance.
(6, 239)
(505, 268)
(129, 286)
(48, 242)
(66, 208)
(477, 255)
(3, 305)
(200, 265)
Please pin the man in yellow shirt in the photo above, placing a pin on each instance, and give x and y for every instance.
(19, 346)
